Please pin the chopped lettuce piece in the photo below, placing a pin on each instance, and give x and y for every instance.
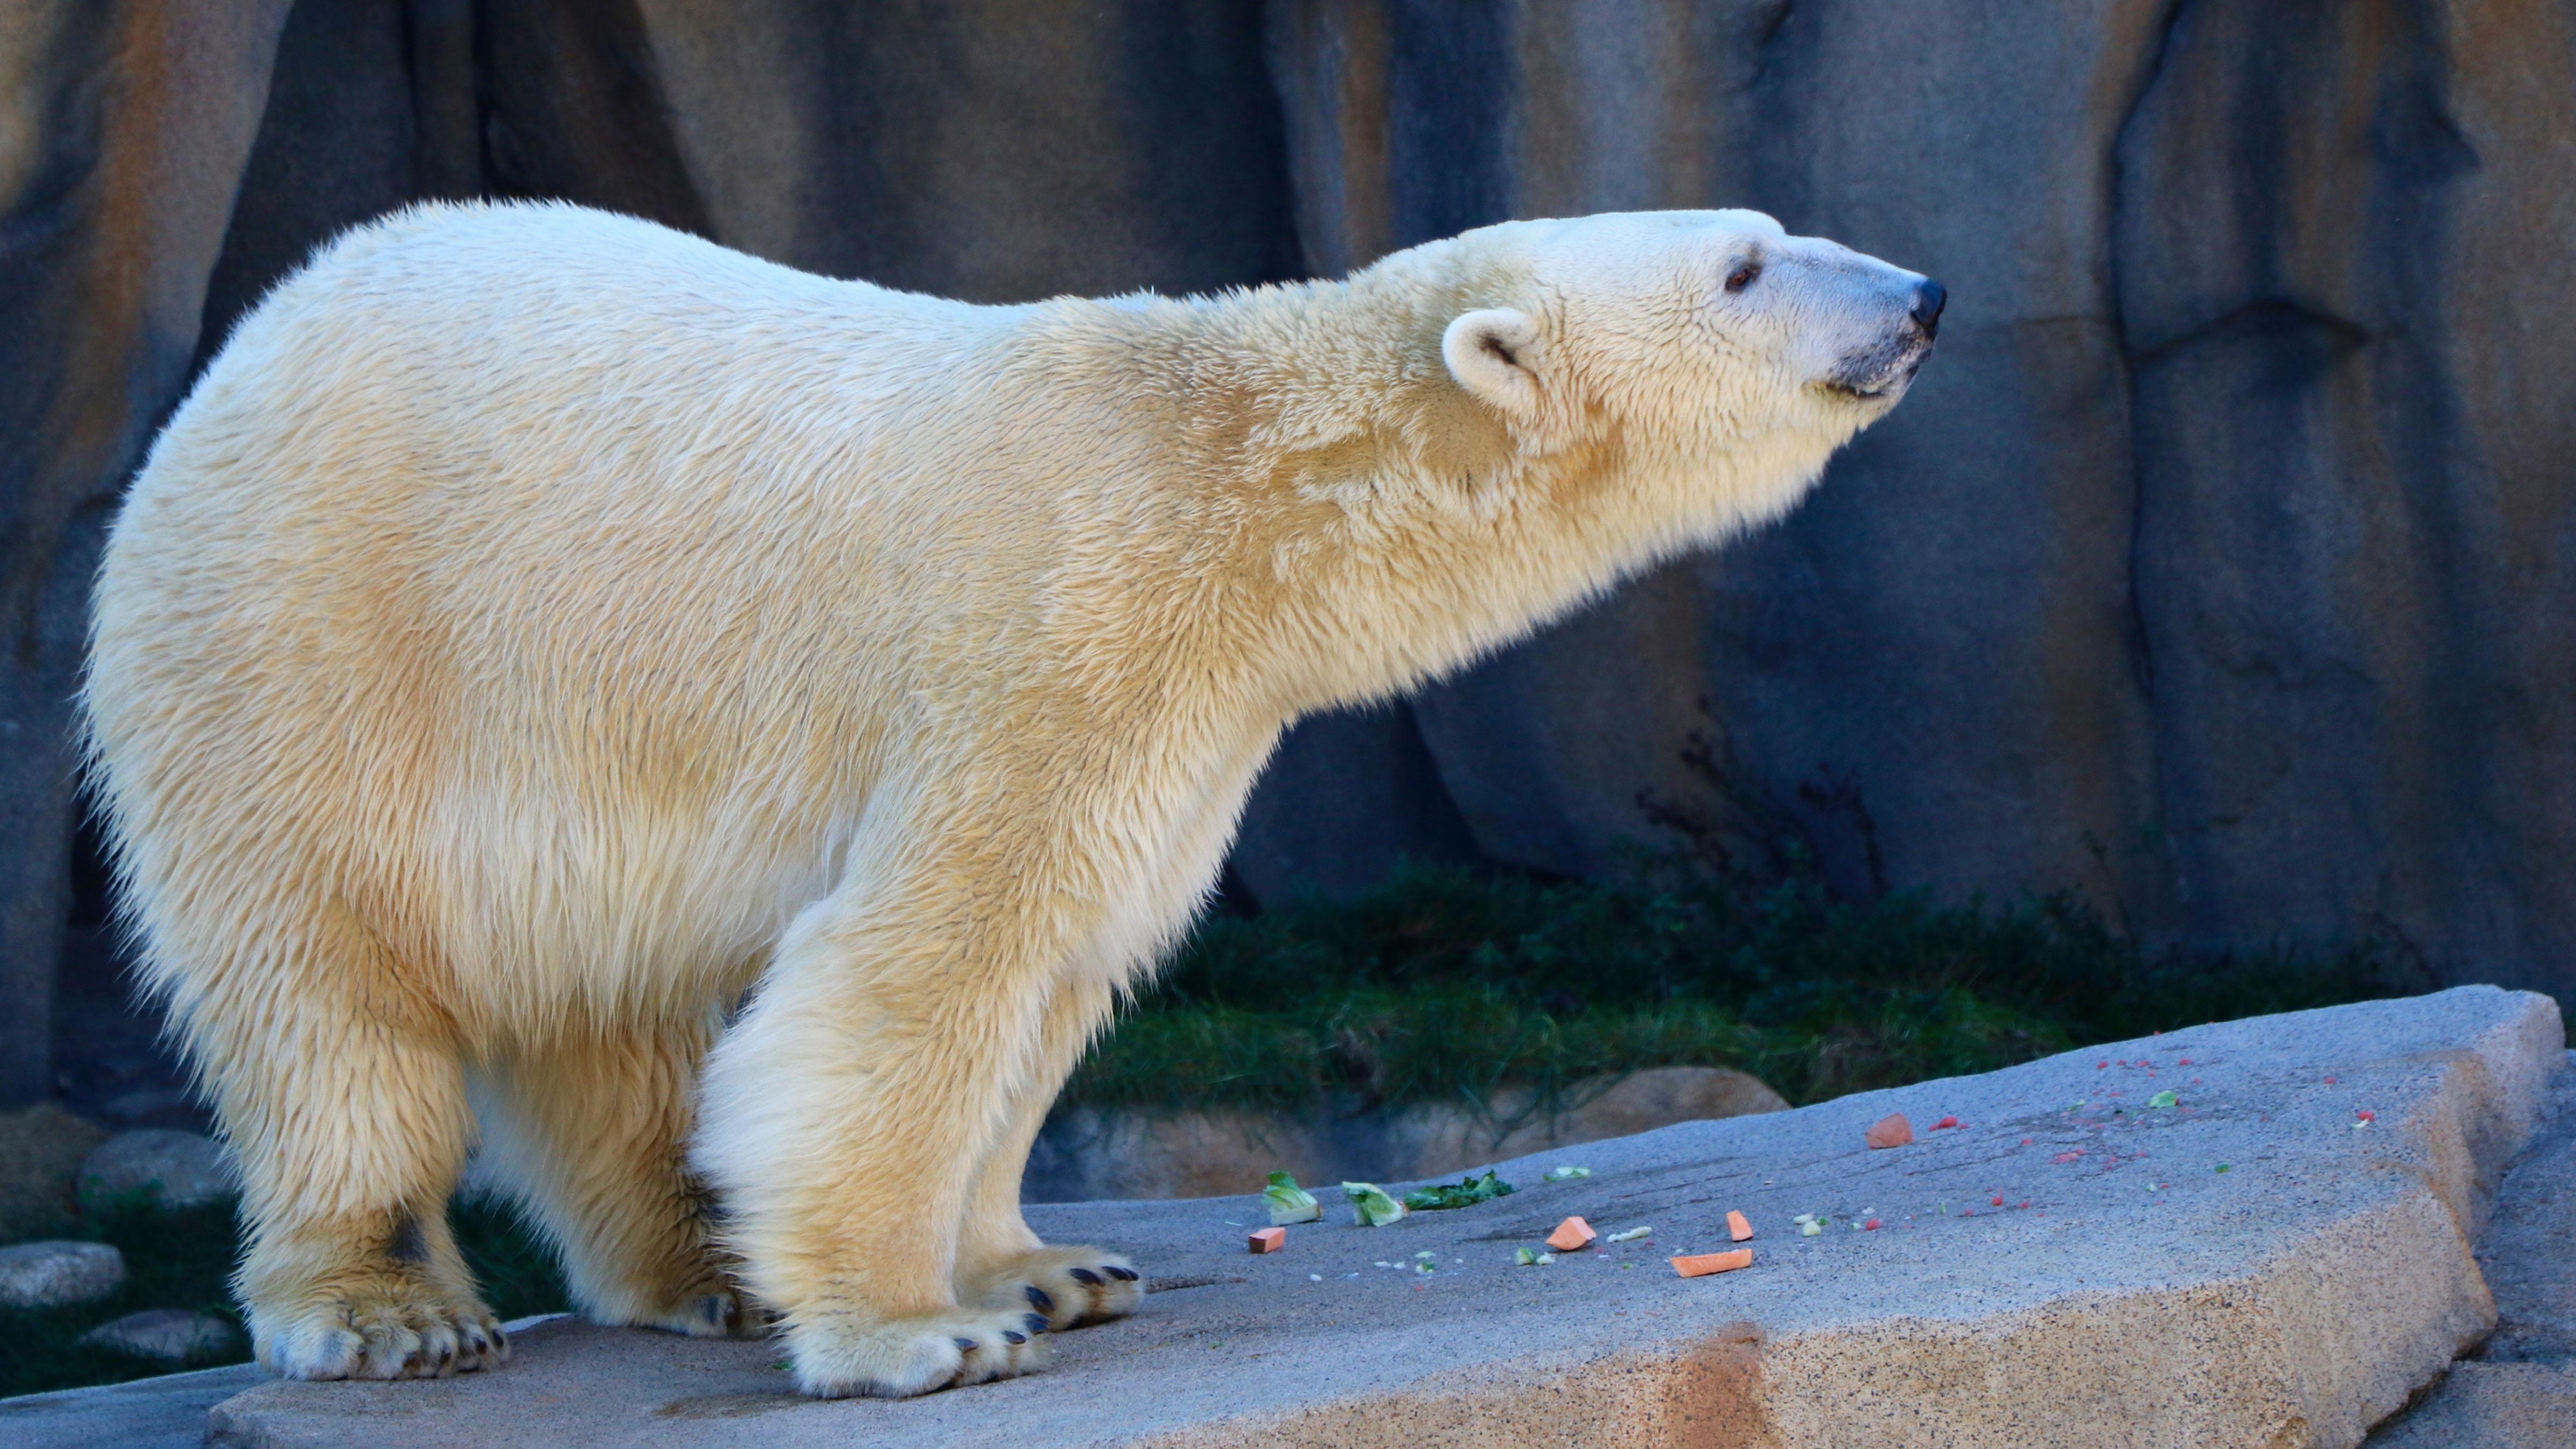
(1290, 1203)
(1370, 1205)
(2162, 1099)
(1630, 1236)
(1465, 1193)
(1566, 1174)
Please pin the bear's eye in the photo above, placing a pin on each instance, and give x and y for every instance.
(1742, 277)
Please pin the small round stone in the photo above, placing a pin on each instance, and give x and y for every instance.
(44, 1275)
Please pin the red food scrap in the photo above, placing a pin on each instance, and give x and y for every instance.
(1945, 1122)
(1891, 1130)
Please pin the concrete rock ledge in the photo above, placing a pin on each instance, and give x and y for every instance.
(2141, 1298)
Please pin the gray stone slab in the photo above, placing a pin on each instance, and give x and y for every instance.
(2519, 1392)
(167, 1412)
(2142, 1298)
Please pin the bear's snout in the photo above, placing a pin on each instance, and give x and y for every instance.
(1928, 301)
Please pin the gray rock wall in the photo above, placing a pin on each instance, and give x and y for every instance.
(2220, 567)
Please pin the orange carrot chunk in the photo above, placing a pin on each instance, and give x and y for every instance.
(1738, 1227)
(1892, 1131)
(1700, 1265)
(1266, 1240)
(1571, 1234)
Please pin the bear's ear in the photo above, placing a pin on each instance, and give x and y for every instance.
(1490, 353)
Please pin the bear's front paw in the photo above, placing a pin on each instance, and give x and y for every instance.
(837, 1357)
(1073, 1286)
(430, 1336)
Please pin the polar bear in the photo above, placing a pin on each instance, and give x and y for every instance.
(728, 735)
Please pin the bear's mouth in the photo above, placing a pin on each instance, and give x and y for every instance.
(1880, 374)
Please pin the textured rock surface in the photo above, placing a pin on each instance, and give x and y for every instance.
(166, 1412)
(2219, 567)
(2519, 1390)
(171, 1335)
(1086, 1153)
(2141, 1299)
(179, 1168)
(2492, 1406)
(40, 1148)
(42, 1275)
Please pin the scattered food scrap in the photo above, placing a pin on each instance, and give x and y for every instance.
(1290, 1203)
(2162, 1099)
(1700, 1265)
(1370, 1205)
(1630, 1236)
(1566, 1174)
(1524, 1258)
(1870, 1226)
(1463, 1194)
(2222, 1167)
(1945, 1122)
(1571, 1234)
(1738, 1226)
(1266, 1240)
(1808, 1225)
(1891, 1130)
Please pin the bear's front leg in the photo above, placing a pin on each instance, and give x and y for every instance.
(844, 1116)
(1000, 1262)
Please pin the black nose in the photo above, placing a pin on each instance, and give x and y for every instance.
(1927, 306)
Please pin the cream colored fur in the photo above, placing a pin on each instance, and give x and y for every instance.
(539, 629)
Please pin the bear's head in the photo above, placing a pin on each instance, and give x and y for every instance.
(1725, 356)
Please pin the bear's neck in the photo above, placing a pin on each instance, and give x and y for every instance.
(1363, 524)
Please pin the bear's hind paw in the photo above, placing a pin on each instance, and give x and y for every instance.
(347, 1339)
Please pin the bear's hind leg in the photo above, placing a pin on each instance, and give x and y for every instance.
(1000, 1262)
(348, 1115)
(589, 1130)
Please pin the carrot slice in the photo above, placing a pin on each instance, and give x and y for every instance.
(1738, 1227)
(1700, 1265)
(1571, 1234)
(1266, 1240)
(1891, 1130)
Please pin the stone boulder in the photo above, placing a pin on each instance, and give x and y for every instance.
(1091, 1153)
(48, 1275)
(41, 1147)
(179, 1169)
(169, 1335)
(2066, 1264)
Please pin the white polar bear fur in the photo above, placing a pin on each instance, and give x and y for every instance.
(539, 628)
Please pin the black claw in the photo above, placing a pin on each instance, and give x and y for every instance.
(1085, 1275)
(1038, 1299)
(964, 1345)
(1036, 1323)
(1009, 1336)
(1123, 1275)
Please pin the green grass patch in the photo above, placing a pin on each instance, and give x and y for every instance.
(1448, 984)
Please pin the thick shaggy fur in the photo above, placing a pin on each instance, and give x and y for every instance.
(540, 629)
